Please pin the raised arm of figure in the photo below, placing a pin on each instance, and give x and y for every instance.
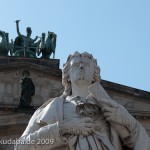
(35, 39)
(103, 99)
(128, 128)
(138, 139)
(17, 27)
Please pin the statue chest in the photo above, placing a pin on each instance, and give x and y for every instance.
(70, 110)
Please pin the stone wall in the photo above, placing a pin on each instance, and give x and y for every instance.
(44, 87)
(45, 75)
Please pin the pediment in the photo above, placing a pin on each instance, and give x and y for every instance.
(46, 66)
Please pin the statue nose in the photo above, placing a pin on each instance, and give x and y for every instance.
(81, 66)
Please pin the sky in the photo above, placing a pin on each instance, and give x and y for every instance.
(115, 32)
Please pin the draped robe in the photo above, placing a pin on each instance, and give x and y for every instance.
(45, 124)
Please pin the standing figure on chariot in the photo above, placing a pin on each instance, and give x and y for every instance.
(25, 45)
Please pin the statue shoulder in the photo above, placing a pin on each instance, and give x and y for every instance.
(53, 101)
(48, 110)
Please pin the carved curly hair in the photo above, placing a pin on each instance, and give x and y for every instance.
(65, 72)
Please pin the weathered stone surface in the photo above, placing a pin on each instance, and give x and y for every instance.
(45, 75)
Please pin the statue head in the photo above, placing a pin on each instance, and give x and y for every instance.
(2, 33)
(79, 61)
(43, 35)
(25, 73)
(50, 34)
(29, 31)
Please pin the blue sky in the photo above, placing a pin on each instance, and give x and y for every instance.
(116, 32)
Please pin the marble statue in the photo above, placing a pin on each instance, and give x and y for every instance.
(48, 46)
(24, 45)
(27, 90)
(84, 117)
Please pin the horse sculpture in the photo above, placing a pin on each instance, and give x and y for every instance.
(4, 44)
(48, 47)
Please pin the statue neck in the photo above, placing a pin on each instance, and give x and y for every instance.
(80, 90)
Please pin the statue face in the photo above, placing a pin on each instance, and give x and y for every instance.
(81, 70)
